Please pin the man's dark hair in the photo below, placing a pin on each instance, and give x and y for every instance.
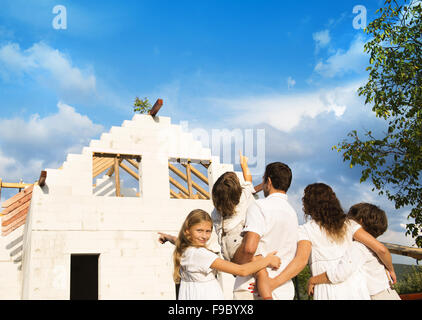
(372, 219)
(280, 175)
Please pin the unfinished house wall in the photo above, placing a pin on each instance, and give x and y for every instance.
(68, 216)
(10, 265)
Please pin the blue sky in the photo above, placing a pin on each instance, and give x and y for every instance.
(290, 68)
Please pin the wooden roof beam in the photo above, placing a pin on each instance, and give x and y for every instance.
(15, 185)
(197, 173)
(179, 186)
(17, 197)
(129, 170)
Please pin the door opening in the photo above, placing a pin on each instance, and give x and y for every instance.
(84, 277)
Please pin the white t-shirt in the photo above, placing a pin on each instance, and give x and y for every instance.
(275, 221)
(325, 255)
(359, 258)
(198, 280)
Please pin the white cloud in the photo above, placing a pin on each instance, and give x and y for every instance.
(48, 66)
(395, 237)
(28, 146)
(5, 163)
(285, 112)
(321, 38)
(342, 62)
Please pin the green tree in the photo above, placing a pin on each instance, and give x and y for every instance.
(411, 282)
(393, 159)
(302, 281)
(142, 105)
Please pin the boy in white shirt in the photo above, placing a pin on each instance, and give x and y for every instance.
(359, 258)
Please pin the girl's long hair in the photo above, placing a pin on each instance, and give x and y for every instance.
(321, 204)
(183, 240)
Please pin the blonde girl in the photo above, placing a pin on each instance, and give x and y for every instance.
(195, 266)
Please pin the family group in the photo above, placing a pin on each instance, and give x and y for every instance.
(264, 246)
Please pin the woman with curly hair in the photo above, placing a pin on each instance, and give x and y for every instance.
(322, 242)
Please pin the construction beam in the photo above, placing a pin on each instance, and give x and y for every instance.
(201, 197)
(17, 204)
(189, 180)
(415, 253)
(178, 172)
(15, 185)
(197, 173)
(102, 168)
(117, 175)
(179, 186)
(42, 179)
(175, 195)
(9, 229)
(201, 190)
(194, 184)
(206, 164)
(133, 163)
(11, 217)
(114, 155)
(129, 170)
(17, 197)
(156, 107)
(111, 170)
(99, 162)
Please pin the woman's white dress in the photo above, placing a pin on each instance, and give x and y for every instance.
(198, 280)
(326, 254)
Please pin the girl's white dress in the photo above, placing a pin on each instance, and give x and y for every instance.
(198, 280)
(325, 255)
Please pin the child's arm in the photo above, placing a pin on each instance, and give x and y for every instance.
(319, 279)
(263, 284)
(245, 169)
(243, 270)
(381, 251)
(166, 237)
(298, 263)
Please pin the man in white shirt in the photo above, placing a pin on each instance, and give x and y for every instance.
(271, 224)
